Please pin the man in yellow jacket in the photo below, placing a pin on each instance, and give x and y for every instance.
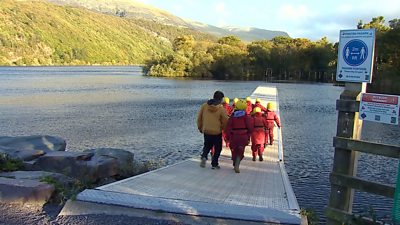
(211, 120)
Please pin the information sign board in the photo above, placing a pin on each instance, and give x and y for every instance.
(379, 108)
(355, 55)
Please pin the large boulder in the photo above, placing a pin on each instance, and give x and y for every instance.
(24, 191)
(44, 143)
(72, 164)
(124, 159)
(84, 166)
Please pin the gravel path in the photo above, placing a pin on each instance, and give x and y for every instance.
(11, 214)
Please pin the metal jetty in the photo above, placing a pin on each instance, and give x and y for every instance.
(261, 193)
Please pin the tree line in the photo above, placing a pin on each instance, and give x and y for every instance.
(282, 58)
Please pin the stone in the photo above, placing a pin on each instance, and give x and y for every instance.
(24, 191)
(72, 164)
(124, 159)
(45, 143)
(24, 155)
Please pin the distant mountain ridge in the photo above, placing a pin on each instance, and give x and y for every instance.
(138, 10)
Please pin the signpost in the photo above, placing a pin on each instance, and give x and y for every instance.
(356, 55)
(379, 108)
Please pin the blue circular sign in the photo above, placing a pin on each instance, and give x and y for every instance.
(355, 52)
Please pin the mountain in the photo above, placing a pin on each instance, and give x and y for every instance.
(138, 10)
(40, 33)
(245, 34)
(126, 8)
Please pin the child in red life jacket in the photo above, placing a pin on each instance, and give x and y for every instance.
(238, 133)
(258, 104)
(271, 119)
(229, 110)
(258, 135)
(227, 107)
(234, 103)
(249, 106)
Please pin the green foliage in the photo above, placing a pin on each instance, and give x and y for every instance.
(63, 193)
(7, 164)
(387, 55)
(40, 33)
(312, 217)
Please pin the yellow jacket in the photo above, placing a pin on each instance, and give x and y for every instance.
(212, 118)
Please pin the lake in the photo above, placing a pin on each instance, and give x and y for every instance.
(117, 107)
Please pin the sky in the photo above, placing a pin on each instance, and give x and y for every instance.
(312, 19)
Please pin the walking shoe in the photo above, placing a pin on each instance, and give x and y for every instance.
(203, 162)
(254, 158)
(261, 158)
(237, 163)
(215, 167)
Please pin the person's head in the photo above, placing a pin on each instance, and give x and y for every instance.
(258, 100)
(235, 100)
(270, 106)
(226, 100)
(257, 110)
(248, 99)
(218, 96)
(240, 105)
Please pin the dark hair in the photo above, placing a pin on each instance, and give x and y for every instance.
(218, 95)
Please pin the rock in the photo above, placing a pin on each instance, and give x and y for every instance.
(24, 191)
(45, 143)
(24, 155)
(125, 159)
(39, 176)
(102, 167)
(72, 164)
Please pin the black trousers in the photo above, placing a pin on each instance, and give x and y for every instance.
(209, 142)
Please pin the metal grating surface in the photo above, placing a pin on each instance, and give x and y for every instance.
(263, 185)
(191, 207)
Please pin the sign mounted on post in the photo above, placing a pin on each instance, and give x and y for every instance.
(379, 108)
(355, 55)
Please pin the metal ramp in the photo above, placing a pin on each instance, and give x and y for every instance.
(260, 193)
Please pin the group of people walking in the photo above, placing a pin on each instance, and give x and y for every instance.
(236, 125)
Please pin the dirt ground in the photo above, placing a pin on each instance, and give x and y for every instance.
(16, 214)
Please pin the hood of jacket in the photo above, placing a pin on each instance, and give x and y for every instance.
(213, 105)
(239, 113)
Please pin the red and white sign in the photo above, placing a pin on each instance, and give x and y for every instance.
(379, 108)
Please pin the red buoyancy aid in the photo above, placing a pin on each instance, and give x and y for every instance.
(249, 108)
(271, 118)
(259, 122)
(228, 108)
(239, 125)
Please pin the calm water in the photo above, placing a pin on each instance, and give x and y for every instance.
(93, 107)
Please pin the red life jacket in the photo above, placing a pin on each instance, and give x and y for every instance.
(239, 125)
(259, 122)
(228, 108)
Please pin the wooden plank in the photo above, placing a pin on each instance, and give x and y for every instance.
(344, 161)
(347, 105)
(362, 185)
(367, 147)
(343, 217)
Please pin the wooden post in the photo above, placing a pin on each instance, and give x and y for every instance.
(345, 161)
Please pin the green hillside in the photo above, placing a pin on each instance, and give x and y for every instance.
(41, 33)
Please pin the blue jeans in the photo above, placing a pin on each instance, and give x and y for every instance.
(209, 142)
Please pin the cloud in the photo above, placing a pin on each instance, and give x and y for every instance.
(294, 13)
(220, 8)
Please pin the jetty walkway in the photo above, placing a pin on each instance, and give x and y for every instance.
(185, 192)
